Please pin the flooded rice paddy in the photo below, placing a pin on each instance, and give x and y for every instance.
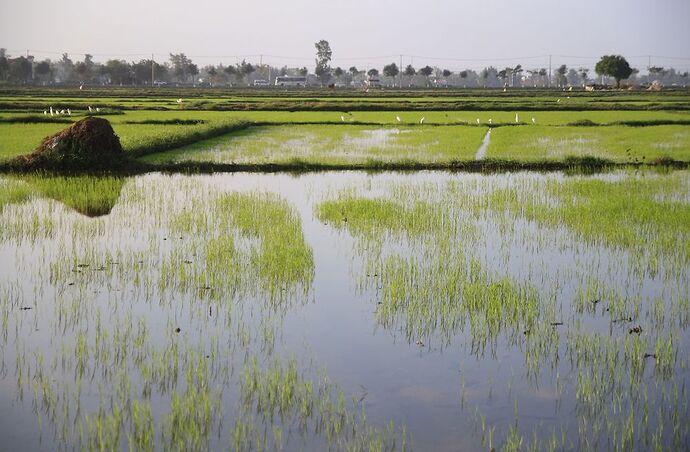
(342, 144)
(389, 311)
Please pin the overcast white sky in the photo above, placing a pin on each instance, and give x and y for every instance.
(361, 33)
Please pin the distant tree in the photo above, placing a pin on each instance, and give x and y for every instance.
(20, 70)
(373, 72)
(410, 71)
(182, 67)
(391, 70)
(4, 64)
(338, 72)
(303, 72)
(323, 59)
(656, 71)
(85, 69)
(43, 70)
(119, 72)
(560, 75)
(484, 74)
(463, 74)
(283, 71)
(353, 70)
(245, 69)
(65, 68)
(231, 70)
(503, 74)
(515, 72)
(212, 74)
(426, 71)
(193, 70)
(447, 73)
(614, 66)
(142, 72)
(583, 71)
(81, 69)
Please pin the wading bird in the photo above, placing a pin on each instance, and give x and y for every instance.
(45, 112)
(398, 118)
(342, 118)
(179, 101)
(69, 112)
(490, 120)
(516, 118)
(51, 111)
(98, 109)
(477, 120)
(534, 121)
(90, 109)
(421, 121)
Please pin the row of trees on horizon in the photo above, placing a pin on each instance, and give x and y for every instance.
(180, 69)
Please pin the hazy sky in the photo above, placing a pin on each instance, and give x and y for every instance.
(361, 33)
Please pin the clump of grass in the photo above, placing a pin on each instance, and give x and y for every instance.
(582, 123)
(586, 161)
(13, 191)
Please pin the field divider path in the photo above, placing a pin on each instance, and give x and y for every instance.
(481, 152)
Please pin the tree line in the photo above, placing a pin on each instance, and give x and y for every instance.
(180, 69)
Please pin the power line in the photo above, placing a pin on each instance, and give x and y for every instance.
(363, 58)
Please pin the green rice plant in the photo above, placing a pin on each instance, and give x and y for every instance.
(332, 145)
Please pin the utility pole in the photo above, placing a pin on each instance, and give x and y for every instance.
(153, 70)
(30, 62)
(549, 71)
(401, 72)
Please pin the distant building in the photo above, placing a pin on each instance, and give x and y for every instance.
(372, 82)
(261, 83)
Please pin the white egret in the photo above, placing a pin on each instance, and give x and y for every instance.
(558, 101)
(69, 112)
(98, 109)
(90, 109)
(490, 120)
(421, 121)
(342, 118)
(398, 118)
(51, 111)
(478, 121)
(534, 121)
(45, 112)
(516, 118)
(179, 101)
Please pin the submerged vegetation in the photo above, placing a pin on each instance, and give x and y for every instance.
(351, 310)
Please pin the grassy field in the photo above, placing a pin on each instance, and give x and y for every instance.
(619, 143)
(330, 100)
(153, 123)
